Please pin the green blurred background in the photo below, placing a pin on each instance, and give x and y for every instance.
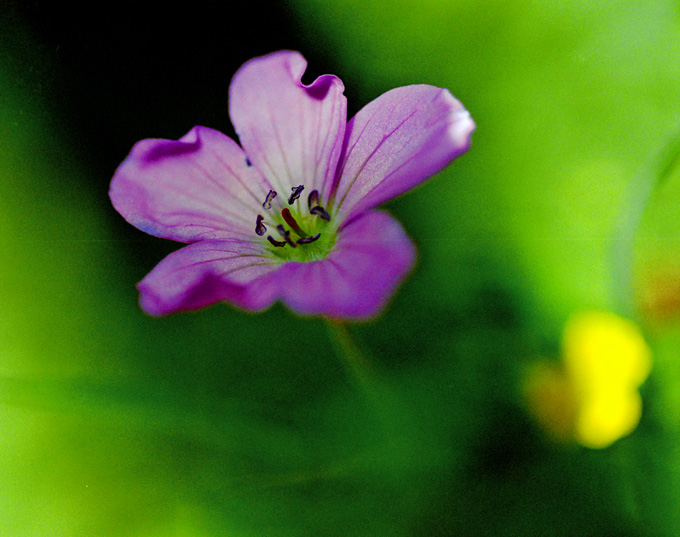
(221, 423)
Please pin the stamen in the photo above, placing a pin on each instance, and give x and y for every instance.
(268, 200)
(307, 240)
(286, 235)
(321, 212)
(290, 220)
(275, 242)
(313, 198)
(297, 190)
(260, 228)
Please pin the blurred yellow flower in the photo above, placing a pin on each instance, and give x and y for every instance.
(592, 396)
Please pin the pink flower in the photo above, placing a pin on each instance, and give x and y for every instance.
(290, 216)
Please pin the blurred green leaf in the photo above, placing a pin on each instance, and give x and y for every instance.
(569, 100)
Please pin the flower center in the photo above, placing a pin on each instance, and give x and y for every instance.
(302, 234)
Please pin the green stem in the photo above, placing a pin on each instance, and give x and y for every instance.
(647, 182)
(357, 365)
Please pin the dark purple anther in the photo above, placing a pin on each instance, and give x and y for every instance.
(307, 240)
(275, 242)
(260, 228)
(313, 198)
(286, 235)
(297, 190)
(320, 212)
(268, 200)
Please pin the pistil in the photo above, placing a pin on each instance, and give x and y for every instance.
(290, 220)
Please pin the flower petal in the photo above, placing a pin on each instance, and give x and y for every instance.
(371, 258)
(293, 133)
(396, 142)
(199, 187)
(204, 273)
